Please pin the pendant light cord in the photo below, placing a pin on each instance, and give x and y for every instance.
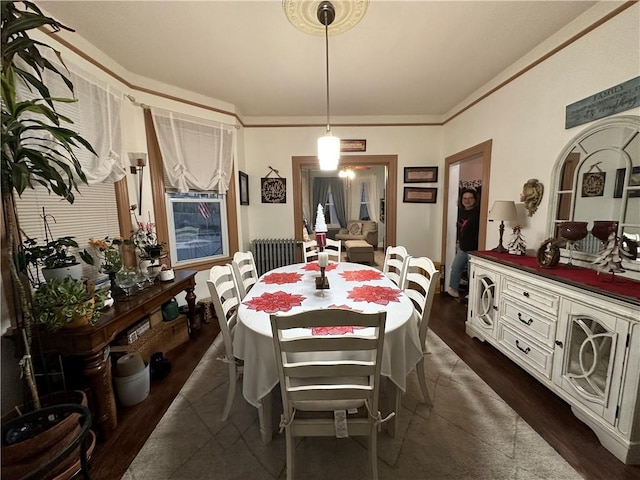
(326, 49)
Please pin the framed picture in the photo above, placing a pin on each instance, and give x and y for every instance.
(274, 190)
(419, 195)
(420, 174)
(353, 145)
(244, 188)
(593, 184)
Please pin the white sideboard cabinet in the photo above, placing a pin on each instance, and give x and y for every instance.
(581, 339)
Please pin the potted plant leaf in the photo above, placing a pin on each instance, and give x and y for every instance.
(67, 303)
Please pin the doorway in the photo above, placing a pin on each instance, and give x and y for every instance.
(390, 162)
(471, 167)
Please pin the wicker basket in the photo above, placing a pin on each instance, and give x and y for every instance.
(159, 338)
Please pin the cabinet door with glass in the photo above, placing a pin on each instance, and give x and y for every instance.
(482, 313)
(589, 357)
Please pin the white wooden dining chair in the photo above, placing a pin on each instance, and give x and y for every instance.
(310, 251)
(421, 283)
(395, 265)
(343, 373)
(244, 268)
(334, 249)
(224, 294)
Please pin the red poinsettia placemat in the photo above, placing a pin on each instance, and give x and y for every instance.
(335, 330)
(282, 278)
(374, 294)
(361, 275)
(313, 267)
(275, 302)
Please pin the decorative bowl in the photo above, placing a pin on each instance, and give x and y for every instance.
(573, 231)
(602, 229)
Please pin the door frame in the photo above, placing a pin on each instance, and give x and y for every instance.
(391, 187)
(481, 151)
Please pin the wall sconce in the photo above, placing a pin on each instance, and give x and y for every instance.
(138, 161)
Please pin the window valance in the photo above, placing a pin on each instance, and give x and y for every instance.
(96, 115)
(197, 154)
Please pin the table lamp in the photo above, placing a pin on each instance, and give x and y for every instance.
(505, 211)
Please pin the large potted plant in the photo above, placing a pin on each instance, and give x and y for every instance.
(27, 161)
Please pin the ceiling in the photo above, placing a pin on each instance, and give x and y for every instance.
(403, 58)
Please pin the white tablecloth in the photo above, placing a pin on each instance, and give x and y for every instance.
(295, 291)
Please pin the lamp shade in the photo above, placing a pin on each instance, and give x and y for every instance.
(328, 152)
(503, 210)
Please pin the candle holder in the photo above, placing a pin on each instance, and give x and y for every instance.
(322, 282)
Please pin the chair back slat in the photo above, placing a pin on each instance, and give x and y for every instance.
(310, 251)
(327, 344)
(224, 295)
(395, 265)
(420, 286)
(246, 273)
(318, 371)
(334, 249)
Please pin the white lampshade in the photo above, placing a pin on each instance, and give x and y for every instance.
(328, 152)
(503, 210)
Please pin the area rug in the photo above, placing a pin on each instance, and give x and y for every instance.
(469, 433)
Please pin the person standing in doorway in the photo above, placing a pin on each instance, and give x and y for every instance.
(467, 237)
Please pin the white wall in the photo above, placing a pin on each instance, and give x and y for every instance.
(526, 118)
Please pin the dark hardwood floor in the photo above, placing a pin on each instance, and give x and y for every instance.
(547, 414)
(112, 457)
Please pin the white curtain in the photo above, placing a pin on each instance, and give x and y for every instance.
(197, 153)
(355, 196)
(96, 116)
(371, 190)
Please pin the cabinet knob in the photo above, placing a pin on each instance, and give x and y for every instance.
(526, 294)
(559, 343)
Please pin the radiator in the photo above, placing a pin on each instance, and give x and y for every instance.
(273, 253)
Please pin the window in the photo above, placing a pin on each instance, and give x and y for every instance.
(197, 227)
(330, 214)
(364, 209)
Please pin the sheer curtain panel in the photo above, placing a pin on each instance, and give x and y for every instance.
(197, 153)
(96, 115)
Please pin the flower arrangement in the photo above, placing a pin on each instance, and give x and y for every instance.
(108, 250)
(145, 239)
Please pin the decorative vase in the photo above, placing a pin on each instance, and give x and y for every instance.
(112, 282)
(602, 228)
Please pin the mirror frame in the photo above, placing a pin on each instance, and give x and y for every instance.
(631, 122)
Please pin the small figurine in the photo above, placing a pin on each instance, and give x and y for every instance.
(517, 246)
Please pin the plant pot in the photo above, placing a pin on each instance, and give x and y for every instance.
(81, 319)
(21, 458)
(74, 271)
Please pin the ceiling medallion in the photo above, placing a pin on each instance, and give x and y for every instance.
(303, 14)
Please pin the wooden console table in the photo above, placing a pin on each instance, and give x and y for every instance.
(91, 343)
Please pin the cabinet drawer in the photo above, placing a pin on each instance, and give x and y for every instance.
(531, 295)
(536, 357)
(528, 321)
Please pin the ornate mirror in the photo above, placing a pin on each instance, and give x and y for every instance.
(597, 179)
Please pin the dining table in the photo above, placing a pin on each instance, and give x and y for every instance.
(292, 289)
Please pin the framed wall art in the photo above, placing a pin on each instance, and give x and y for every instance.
(353, 145)
(420, 195)
(420, 174)
(243, 180)
(593, 182)
(274, 189)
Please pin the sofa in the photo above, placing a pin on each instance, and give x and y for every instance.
(360, 230)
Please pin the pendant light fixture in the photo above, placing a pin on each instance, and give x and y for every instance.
(328, 145)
